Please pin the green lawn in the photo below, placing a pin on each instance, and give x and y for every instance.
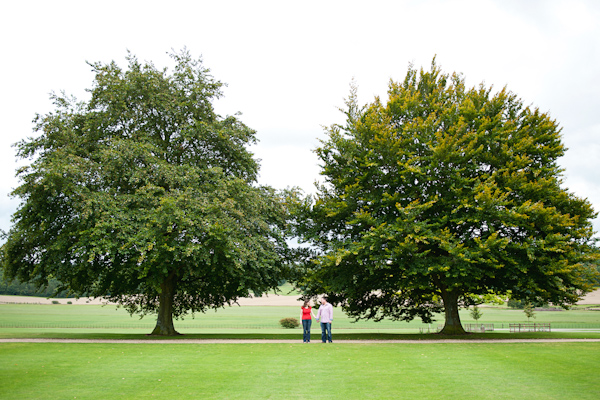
(299, 371)
(109, 317)
(340, 334)
(92, 321)
(282, 371)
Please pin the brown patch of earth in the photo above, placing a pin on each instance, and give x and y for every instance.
(591, 298)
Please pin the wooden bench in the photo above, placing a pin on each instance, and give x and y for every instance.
(530, 327)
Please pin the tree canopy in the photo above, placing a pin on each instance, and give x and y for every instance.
(143, 195)
(440, 194)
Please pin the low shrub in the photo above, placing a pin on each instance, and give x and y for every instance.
(518, 304)
(55, 302)
(476, 313)
(289, 323)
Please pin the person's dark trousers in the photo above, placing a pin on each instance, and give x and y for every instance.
(326, 332)
(306, 323)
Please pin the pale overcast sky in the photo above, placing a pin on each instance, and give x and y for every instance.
(288, 65)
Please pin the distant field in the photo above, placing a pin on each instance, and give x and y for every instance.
(281, 371)
(286, 290)
(249, 318)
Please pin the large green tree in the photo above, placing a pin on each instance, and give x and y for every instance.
(143, 195)
(441, 194)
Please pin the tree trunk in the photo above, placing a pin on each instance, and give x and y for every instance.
(164, 322)
(452, 324)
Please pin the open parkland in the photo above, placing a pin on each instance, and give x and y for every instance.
(86, 350)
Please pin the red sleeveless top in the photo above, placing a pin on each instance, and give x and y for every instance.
(306, 313)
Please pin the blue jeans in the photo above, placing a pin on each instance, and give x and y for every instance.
(306, 323)
(326, 331)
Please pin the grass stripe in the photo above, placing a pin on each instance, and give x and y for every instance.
(282, 371)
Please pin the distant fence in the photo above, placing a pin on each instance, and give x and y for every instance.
(479, 327)
(507, 325)
(530, 327)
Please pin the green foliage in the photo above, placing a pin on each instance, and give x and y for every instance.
(289, 323)
(16, 288)
(145, 196)
(529, 311)
(489, 298)
(518, 304)
(442, 193)
(476, 313)
(595, 279)
(55, 302)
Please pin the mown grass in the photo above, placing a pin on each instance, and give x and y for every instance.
(338, 335)
(299, 371)
(96, 316)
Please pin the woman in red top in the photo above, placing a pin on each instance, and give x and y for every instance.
(306, 321)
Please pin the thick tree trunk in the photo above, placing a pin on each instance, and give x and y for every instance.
(164, 322)
(452, 324)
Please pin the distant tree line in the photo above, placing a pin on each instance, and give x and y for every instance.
(16, 288)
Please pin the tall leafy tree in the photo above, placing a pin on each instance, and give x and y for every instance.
(145, 196)
(439, 195)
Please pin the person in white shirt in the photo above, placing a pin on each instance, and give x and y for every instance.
(325, 316)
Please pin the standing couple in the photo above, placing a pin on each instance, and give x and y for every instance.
(325, 315)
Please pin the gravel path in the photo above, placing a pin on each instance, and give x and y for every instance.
(287, 341)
